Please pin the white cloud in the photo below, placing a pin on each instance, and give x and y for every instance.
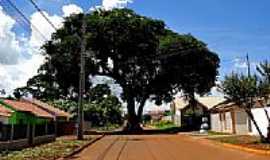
(16, 75)
(20, 56)
(239, 63)
(110, 4)
(71, 9)
(44, 27)
(36, 39)
(9, 46)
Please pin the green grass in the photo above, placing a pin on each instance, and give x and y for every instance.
(245, 141)
(163, 125)
(234, 139)
(213, 133)
(48, 151)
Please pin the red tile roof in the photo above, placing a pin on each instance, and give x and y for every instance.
(55, 111)
(5, 111)
(28, 107)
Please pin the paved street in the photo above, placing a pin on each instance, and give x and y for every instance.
(160, 147)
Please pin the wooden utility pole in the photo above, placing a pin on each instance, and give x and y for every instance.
(82, 82)
(248, 65)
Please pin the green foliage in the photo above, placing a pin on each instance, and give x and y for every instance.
(163, 124)
(264, 88)
(65, 105)
(264, 70)
(146, 118)
(101, 107)
(167, 113)
(105, 112)
(240, 88)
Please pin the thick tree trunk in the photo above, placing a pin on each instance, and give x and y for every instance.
(249, 113)
(133, 124)
(140, 109)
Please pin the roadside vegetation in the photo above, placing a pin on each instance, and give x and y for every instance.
(213, 133)
(50, 151)
(163, 125)
(244, 140)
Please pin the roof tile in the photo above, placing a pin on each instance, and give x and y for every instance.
(28, 107)
(5, 111)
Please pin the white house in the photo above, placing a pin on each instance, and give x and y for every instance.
(230, 118)
(187, 115)
(261, 118)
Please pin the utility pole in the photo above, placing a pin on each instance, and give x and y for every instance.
(250, 98)
(81, 82)
(248, 65)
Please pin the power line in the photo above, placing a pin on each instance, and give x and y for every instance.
(43, 15)
(6, 7)
(24, 17)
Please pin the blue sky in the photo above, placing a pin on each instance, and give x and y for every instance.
(231, 28)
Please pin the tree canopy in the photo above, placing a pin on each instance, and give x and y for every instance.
(140, 53)
(102, 108)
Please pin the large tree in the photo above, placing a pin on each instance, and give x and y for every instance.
(141, 54)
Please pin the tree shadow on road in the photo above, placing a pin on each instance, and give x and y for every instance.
(172, 130)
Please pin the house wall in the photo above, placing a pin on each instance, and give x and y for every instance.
(215, 122)
(43, 139)
(14, 145)
(177, 118)
(234, 121)
(228, 123)
(241, 122)
(23, 143)
(260, 117)
(222, 122)
(3, 120)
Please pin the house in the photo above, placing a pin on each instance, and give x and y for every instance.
(156, 115)
(5, 115)
(190, 116)
(63, 124)
(228, 117)
(23, 123)
(55, 112)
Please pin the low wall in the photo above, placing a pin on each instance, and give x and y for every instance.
(14, 145)
(261, 119)
(23, 143)
(43, 139)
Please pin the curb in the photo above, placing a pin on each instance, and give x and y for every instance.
(235, 147)
(82, 148)
(246, 149)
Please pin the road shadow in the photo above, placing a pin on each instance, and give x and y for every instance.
(172, 130)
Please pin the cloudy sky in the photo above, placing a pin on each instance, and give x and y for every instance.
(230, 28)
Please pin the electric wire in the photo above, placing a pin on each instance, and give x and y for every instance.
(25, 18)
(42, 14)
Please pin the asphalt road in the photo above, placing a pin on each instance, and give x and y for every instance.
(160, 147)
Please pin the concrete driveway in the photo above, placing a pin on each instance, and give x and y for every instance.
(160, 147)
